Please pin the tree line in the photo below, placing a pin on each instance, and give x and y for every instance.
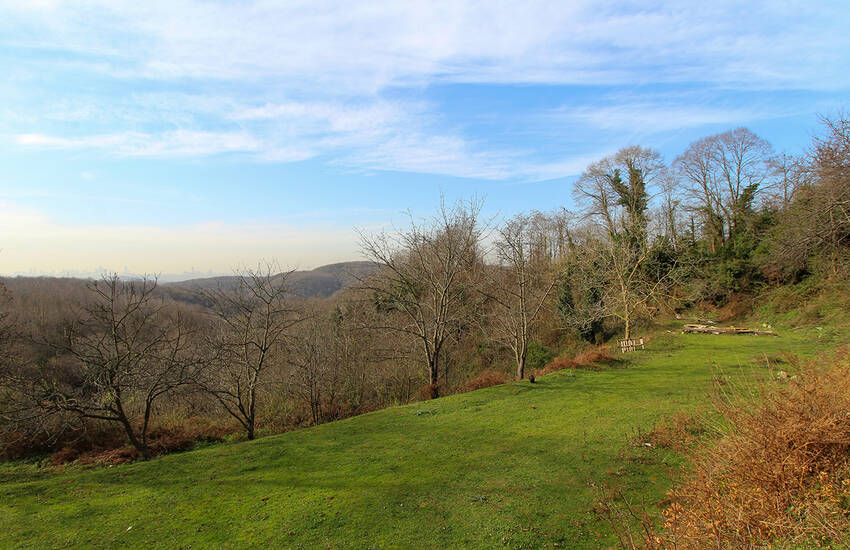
(452, 295)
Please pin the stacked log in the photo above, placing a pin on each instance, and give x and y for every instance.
(710, 329)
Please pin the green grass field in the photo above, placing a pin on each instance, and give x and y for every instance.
(511, 466)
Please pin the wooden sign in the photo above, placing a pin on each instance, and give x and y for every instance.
(631, 344)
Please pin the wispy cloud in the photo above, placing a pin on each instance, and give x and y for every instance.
(176, 143)
(283, 82)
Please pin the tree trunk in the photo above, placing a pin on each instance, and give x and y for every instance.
(134, 441)
(251, 413)
(128, 428)
(434, 377)
(520, 363)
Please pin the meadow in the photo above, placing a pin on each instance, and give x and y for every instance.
(518, 465)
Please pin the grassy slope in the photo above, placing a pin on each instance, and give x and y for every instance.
(511, 465)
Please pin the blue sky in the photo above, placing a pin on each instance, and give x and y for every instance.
(163, 136)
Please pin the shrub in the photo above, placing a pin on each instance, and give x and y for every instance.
(780, 473)
(107, 445)
(597, 355)
(559, 363)
(587, 359)
(485, 379)
(538, 356)
(429, 391)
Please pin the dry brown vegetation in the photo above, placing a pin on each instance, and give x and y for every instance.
(487, 378)
(104, 444)
(592, 358)
(782, 472)
(779, 477)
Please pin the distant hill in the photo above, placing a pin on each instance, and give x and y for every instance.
(317, 283)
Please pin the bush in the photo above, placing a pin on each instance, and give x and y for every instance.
(781, 472)
(559, 363)
(591, 358)
(485, 379)
(538, 356)
(429, 391)
(106, 445)
(597, 355)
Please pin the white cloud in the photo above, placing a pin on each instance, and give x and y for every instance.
(177, 143)
(367, 46)
(283, 82)
(654, 116)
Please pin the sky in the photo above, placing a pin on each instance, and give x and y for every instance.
(188, 137)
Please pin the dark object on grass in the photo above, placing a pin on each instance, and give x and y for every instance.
(531, 378)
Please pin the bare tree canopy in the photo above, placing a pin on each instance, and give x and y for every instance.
(616, 190)
(124, 352)
(426, 278)
(725, 175)
(249, 335)
(517, 287)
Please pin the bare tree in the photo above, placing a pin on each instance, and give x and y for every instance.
(7, 326)
(745, 162)
(792, 174)
(123, 353)
(725, 175)
(518, 288)
(696, 168)
(250, 331)
(616, 192)
(426, 278)
(817, 223)
(309, 363)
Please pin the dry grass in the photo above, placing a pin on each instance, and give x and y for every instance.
(781, 472)
(681, 433)
(779, 477)
(163, 438)
(596, 356)
(559, 363)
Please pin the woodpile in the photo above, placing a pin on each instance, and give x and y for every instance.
(710, 329)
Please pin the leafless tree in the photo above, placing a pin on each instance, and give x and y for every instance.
(7, 326)
(792, 174)
(817, 223)
(427, 278)
(251, 327)
(725, 174)
(517, 289)
(616, 192)
(123, 353)
(310, 361)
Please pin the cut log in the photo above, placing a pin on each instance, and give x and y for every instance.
(706, 329)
